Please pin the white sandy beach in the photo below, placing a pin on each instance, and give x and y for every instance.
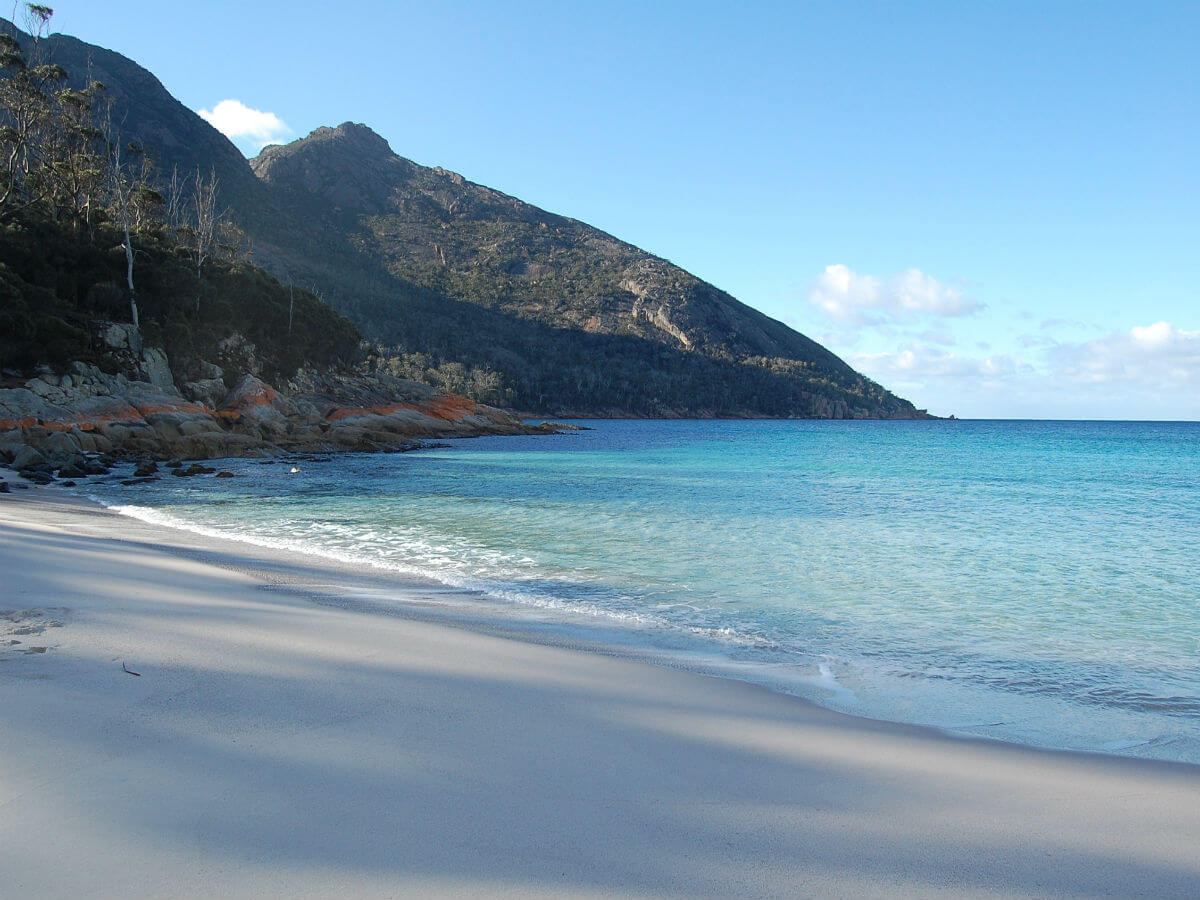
(277, 743)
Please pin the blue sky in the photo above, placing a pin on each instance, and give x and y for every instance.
(991, 208)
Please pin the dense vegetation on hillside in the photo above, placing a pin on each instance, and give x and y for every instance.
(482, 293)
(57, 284)
(91, 230)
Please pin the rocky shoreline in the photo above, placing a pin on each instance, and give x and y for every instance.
(74, 423)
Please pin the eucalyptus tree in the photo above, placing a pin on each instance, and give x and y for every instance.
(28, 95)
(204, 223)
(122, 191)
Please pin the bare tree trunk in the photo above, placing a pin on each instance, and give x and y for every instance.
(205, 210)
(133, 310)
(173, 205)
(123, 202)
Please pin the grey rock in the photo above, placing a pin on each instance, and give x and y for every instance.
(209, 391)
(27, 458)
(120, 336)
(60, 446)
(156, 369)
(210, 371)
(45, 388)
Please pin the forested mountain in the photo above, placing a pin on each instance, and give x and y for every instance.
(477, 292)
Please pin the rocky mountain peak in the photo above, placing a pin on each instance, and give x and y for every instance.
(348, 166)
(360, 139)
(349, 144)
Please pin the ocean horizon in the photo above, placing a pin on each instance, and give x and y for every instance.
(1024, 580)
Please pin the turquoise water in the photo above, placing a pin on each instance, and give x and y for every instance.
(1027, 581)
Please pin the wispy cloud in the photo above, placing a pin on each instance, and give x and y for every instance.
(1057, 323)
(919, 363)
(1147, 371)
(1158, 356)
(847, 296)
(1027, 340)
(245, 125)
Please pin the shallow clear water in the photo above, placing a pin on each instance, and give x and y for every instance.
(1030, 581)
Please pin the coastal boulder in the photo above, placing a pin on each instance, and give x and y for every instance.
(254, 404)
(209, 391)
(156, 369)
(27, 458)
(60, 446)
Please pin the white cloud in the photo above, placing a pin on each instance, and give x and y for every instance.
(241, 124)
(847, 296)
(1148, 371)
(918, 363)
(1158, 356)
(1057, 323)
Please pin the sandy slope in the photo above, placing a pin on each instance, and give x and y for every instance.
(278, 746)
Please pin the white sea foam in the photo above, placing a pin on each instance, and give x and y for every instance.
(444, 573)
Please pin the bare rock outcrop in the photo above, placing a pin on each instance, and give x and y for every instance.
(53, 420)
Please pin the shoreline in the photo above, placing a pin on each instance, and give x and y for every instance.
(470, 601)
(274, 744)
(390, 592)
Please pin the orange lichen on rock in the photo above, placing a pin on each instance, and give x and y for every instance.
(94, 421)
(192, 409)
(449, 407)
(251, 394)
(26, 422)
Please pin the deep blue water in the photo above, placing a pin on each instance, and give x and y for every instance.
(1030, 581)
